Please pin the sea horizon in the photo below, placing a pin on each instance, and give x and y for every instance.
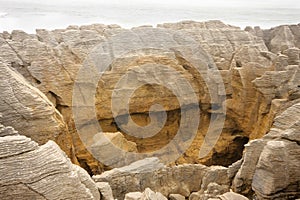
(31, 15)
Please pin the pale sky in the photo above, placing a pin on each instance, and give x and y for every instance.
(50, 14)
(198, 3)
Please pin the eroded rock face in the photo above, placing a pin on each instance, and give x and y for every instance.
(280, 38)
(271, 165)
(182, 179)
(254, 79)
(29, 171)
(29, 110)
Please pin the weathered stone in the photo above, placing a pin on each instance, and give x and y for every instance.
(182, 179)
(29, 111)
(133, 196)
(270, 165)
(148, 194)
(29, 171)
(254, 80)
(176, 197)
(105, 191)
(232, 196)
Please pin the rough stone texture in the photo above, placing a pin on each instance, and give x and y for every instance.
(150, 173)
(105, 191)
(218, 39)
(28, 110)
(29, 171)
(148, 194)
(133, 196)
(176, 197)
(254, 75)
(213, 190)
(279, 38)
(232, 196)
(271, 165)
(215, 196)
(50, 60)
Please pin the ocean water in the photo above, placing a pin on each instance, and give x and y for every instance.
(29, 16)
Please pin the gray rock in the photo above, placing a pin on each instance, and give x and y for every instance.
(271, 165)
(150, 173)
(29, 171)
(105, 190)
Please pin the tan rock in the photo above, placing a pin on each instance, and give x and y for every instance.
(133, 196)
(270, 164)
(148, 194)
(176, 197)
(254, 79)
(182, 179)
(232, 196)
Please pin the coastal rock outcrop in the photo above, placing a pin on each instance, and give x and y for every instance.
(252, 75)
(280, 38)
(151, 173)
(29, 171)
(270, 165)
(28, 110)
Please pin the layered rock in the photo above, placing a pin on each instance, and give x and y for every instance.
(270, 165)
(150, 173)
(29, 110)
(30, 171)
(148, 194)
(253, 77)
(279, 38)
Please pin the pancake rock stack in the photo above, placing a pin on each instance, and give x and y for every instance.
(94, 90)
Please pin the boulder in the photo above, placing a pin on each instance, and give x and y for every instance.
(150, 173)
(29, 171)
(105, 191)
(270, 165)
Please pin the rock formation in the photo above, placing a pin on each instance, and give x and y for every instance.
(28, 110)
(150, 173)
(29, 171)
(270, 165)
(110, 96)
(241, 57)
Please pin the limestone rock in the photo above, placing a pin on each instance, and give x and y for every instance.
(213, 190)
(133, 196)
(105, 191)
(29, 111)
(182, 179)
(148, 194)
(253, 74)
(280, 161)
(40, 172)
(270, 164)
(218, 39)
(176, 197)
(232, 196)
(279, 38)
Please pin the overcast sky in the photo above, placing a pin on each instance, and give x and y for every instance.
(198, 3)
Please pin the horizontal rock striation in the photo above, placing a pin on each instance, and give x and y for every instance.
(76, 85)
(270, 165)
(150, 173)
(30, 171)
